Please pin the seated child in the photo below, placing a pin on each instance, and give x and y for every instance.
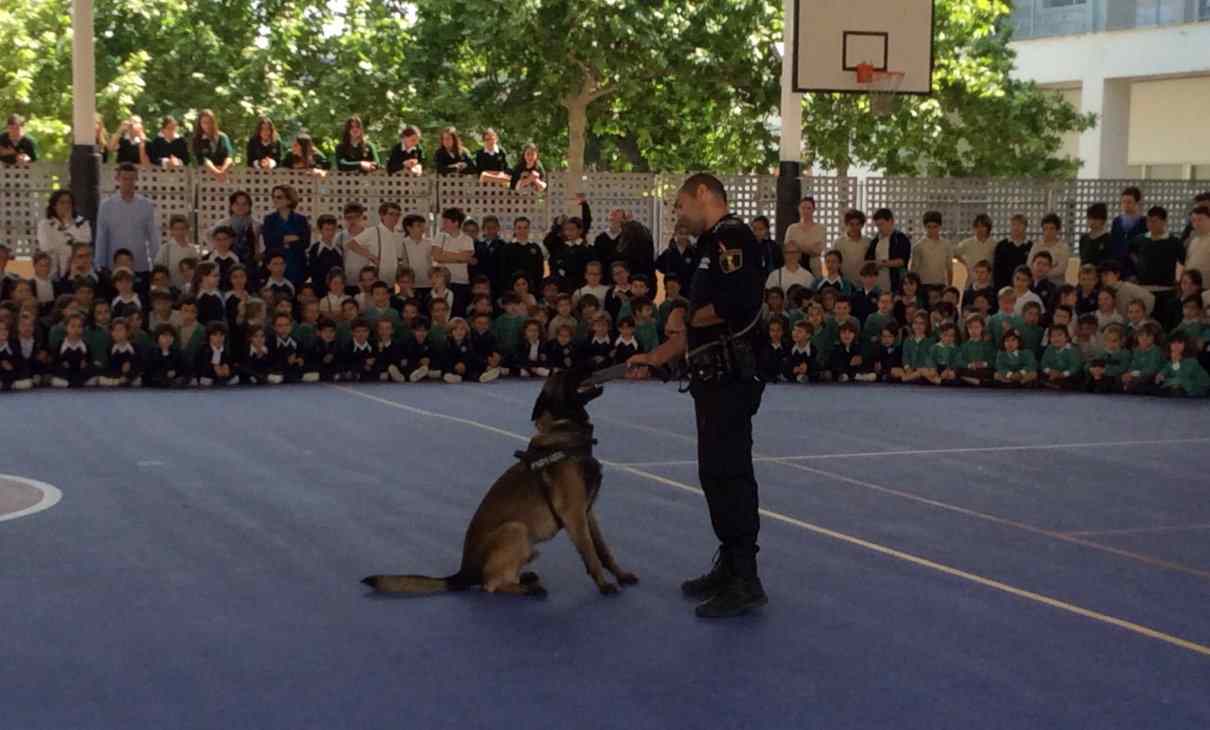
(1104, 370)
(1182, 376)
(216, 364)
(257, 363)
(531, 358)
(325, 356)
(773, 353)
(561, 352)
(645, 329)
(360, 357)
(598, 350)
(1062, 368)
(917, 352)
(847, 364)
(14, 373)
(1015, 365)
(125, 365)
(1146, 361)
(287, 364)
(164, 367)
(799, 364)
(946, 357)
(418, 352)
(73, 366)
(389, 362)
(485, 347)
(626, 346)
(461, 362)
(978, 354)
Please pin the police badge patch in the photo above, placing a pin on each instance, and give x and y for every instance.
(731, 260)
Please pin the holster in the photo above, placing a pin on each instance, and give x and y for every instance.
(729, 359)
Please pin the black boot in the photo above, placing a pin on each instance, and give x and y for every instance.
(740, 593)
(705, 586)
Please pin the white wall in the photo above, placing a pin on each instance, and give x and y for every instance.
(1170, 122)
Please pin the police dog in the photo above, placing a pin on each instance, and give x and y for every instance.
(553, 486)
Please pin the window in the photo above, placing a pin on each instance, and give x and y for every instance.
(1203, 10)
(1068, 3)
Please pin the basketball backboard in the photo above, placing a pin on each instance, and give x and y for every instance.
(831, 37)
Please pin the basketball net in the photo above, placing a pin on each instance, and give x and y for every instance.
(882, 86)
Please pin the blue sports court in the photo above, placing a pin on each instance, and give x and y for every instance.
(1027, 561)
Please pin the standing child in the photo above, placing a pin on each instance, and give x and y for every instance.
(332, 303)
(832, 277)
(871, 332)
(563, 316)
(593, 285)
(932, 257)
(1022, 278)
(917, 352)
(211, 307)
(946, 357)
(1062, 367)
(1182, 376)
(216, 364)
(1015, 366)
(178, 248)
(1088, 290)
(325, 255)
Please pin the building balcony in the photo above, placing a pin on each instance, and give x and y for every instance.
(1048, 18)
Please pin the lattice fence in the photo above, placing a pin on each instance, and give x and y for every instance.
(959, 200)
(1175, 195)
(171, 190)
(833, 197)
(635, 192)
(24, 194)
(749, 195)
(476, 200)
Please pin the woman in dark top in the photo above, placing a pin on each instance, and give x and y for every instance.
(529, 174)
(129, 143)
(211, 147)
(288, 231)
(168, 150)
(264, 147)
(304, 156)
(451, 157)
(356, 153)
(239, 208)
(407, 155)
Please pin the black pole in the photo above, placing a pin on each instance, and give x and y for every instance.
(789, 192)
(85, 169)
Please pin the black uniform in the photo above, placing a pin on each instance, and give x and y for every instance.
(400, 156)
(164, 369)
(731, 277)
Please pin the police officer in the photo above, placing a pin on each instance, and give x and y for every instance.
(718, 336)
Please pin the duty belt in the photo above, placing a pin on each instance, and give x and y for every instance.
(728, 358)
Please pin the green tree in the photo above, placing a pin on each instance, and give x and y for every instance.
(979, 120)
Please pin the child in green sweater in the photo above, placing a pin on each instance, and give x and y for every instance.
(1103, 373)
(1015, 366)
(1005, 318)
(946, 357)
(1031, 330)
(917, 353)
(1145, 362)
(1192, 328)
(1182, 376)
(871, 331)
(978, 354)
(1062, 368)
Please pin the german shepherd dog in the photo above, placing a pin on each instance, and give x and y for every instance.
(553, 486)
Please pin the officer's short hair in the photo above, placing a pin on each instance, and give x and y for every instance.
(711, 183)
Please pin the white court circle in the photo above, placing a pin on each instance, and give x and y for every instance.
(50, 496)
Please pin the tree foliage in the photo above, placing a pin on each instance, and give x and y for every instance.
(613, 85)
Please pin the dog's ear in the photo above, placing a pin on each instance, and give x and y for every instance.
(554, 396)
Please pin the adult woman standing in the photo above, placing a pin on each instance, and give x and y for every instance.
(211, 146)
(355, 153)
(264, 146)
(304, 156)
(61, 229)
(451, 157)
(168, 150)
(288, 231)
(246, 247)
(529, 172)
(129, 143)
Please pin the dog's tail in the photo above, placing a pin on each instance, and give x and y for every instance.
(416, 584)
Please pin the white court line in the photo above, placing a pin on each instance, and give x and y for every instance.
(50, 497)
(927, 452)
(1139, 530)
(842, 537)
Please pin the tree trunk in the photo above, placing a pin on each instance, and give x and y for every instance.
(577, 138)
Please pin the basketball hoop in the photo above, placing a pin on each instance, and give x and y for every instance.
(882, 86)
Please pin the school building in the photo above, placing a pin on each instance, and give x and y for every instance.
(1142, 66)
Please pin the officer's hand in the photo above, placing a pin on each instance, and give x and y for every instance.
(640, 360)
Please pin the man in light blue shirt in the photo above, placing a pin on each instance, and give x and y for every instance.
(128, 220)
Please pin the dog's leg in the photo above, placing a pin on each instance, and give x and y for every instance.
(624, 577)
(507, 550)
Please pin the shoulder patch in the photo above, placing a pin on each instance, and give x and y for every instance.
(731, 260)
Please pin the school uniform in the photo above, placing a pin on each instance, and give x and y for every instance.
(164, 369)
(280, 288)
(496, 161)
(1008, 255)
(569, 264)
(864, 302)
(160, 149)
(794, 358)
(34, 355)
(125, 364)
(1186, 378)
(918, 353)
(447, 162)
(99, 342)
(322, 257)
(931, 260)
(559, 357)
(897, 246)
(597, 352)
(297, 162)
(840, 285)
(1094, 249)
(1114, 363)
(1144, 366)
(349, 157)
(624, 349)
(1048, 292)
(421, 360)
(1031, 338)
(530, 358)
(973, 352)
(519, 257)
(771, 361)
(73, 366)
(274, 230)
(1012, 363)
(207, 363)
(332, 303)
(887, 358)
(14, 374)
(487, 253)
(946, 357)
(1087, 303)
(536, 171)
(647, 335)
(257, 150)
(283, 352)
(327, 359)
(1001, 322)
(1122, 231)
(100, 279)
(484, 345)
(682, 263)
(25, 145)
(840, 362)
(217, 151)
(211, 307)
(225, 263)
(1066, 361)
(461, 353)
(360, 360)
(255, 366)
(399, 156)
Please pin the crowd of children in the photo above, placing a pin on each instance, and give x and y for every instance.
(206, 318)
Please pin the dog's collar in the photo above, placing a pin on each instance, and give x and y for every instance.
(566, 440)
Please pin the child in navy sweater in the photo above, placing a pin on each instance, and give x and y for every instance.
(164, 367)
(800, 361)
(560, 353)
(73, 366)
(216, 364)
(257, 362)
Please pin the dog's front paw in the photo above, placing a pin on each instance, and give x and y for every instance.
(608, 589)
(626, 578)
(535, 590)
